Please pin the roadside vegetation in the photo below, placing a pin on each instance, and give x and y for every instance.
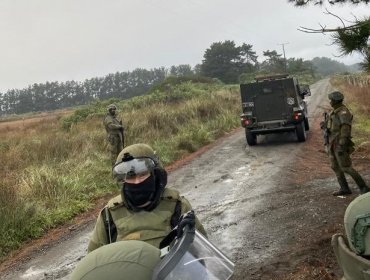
(356, 89)
(55, 169)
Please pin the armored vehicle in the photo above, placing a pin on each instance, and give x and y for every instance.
(274, 104)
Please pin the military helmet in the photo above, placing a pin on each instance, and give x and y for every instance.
(137, 151)
(138, 160)
(119, 261)
(357, 224)
(111, 107)
(336, 96)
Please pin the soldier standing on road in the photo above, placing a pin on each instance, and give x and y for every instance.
(145, 210)
(340, 145)
(114, 129)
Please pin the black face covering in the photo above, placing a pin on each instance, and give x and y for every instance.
(139, 194)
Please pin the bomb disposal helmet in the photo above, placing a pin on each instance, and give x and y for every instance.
(357, 224)
(121, 260)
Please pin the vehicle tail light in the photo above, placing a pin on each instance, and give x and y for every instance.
(247, 122)
(296, 116)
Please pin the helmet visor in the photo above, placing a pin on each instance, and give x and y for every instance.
(135, 167)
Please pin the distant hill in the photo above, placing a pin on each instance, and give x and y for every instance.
(326, 66)
(354, 68)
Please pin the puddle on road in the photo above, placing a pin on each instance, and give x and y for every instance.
(33, 273)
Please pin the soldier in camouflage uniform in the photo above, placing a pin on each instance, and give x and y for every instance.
(340, 145)
(145, 210)
(114, 130)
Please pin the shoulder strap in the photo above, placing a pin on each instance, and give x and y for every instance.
(176, 214)
(109, 225)
(166, 241)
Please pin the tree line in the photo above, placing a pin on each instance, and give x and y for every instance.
(58, 95)
(222, 60)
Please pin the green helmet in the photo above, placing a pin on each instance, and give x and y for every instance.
(119, 261)
(137, 151)
(111, 107)
(357, 224)
(336, 96)
(136, 160)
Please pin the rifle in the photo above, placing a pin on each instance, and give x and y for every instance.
(122, 135)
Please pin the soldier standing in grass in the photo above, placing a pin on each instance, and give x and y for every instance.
(340, 145)
(114, 129)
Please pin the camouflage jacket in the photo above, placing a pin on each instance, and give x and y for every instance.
(339, 125)
(149, 226)
(112, 125)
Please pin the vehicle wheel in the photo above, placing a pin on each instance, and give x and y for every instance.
(306, 124)
(301, 132)
(251, 138)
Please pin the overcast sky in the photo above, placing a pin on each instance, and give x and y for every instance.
(59, 40)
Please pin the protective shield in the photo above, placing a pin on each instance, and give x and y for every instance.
(194, 257)
(133, 167)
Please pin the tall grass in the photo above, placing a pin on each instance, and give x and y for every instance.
(56, 169)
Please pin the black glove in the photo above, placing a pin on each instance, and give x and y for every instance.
(187, 219)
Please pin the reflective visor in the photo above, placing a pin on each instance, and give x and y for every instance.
(132, 168)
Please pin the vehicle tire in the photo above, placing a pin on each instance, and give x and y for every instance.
(251, 138)
(306, 124)
(301, 132)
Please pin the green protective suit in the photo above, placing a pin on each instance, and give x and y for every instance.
(341, 146)
(115, 135)
(124, 260)
(149, 226)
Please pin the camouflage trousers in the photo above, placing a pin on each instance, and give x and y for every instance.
(341, 163)
(116, 146)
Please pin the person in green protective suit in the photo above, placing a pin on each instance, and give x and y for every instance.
(145, 210)
(340, 145)
(353, 250)
(114, 129)
(119, 261)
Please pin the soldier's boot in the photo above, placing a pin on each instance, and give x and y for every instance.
(362, 186)
(359, 181)
(344, 188)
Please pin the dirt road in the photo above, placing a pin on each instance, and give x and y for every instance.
(268, 207)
